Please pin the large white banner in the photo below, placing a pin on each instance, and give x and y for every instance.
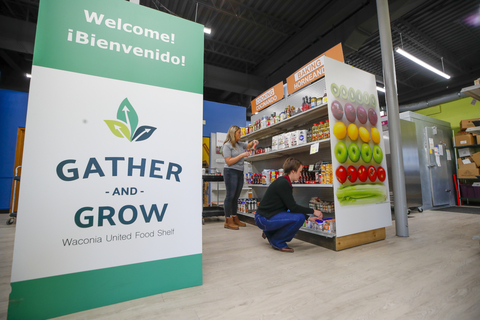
(110, 205)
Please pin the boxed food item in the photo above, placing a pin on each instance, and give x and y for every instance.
(468, 173)
(293, 138)
(301, 137)
(287, 139)
(467, 123)
(476, 158)
(275, 143)
(464, 139)
(280, 142)
(465, 152)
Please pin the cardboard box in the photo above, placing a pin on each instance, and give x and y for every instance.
(464, 139)
(476, 158)
(468, 173)
(478, 138)
(462, 162)
(465, 152)
(472, 166)
(467, 123)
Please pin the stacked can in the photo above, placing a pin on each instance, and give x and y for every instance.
(247, 205)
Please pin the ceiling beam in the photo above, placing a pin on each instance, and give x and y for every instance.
(233, 81)
(17, 35)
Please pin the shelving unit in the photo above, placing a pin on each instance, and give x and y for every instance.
(355, 225)
(289, 124)
(325, 143)
(459, 180)
(325, 185)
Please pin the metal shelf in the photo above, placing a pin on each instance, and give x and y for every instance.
(290, 123)
(306, 185)
(286, 152)
(473, 91)
(468, 146)
(318, 232)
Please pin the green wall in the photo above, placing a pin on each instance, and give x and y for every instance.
(454, 111)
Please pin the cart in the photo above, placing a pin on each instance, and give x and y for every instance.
(212, 211)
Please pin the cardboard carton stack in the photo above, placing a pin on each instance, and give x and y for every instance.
(469, 161)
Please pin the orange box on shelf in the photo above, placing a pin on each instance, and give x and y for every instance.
(476, 158)
(467, 123)
(464, 139)
(468, 173)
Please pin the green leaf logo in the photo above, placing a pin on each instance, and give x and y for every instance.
(126, 126)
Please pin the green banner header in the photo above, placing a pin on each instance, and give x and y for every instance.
(119, 40)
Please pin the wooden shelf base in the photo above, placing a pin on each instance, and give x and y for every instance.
(357, 239)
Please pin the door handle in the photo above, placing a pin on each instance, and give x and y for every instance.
(431, 165)
(448, 190)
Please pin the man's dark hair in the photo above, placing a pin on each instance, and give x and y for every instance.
(291, 164)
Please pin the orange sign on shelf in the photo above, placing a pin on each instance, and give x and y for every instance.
(313, 70)
(267, 98)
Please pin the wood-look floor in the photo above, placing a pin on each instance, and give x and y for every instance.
(433, 274)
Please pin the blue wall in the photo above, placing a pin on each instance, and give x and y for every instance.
(13, 113)
(220, 117)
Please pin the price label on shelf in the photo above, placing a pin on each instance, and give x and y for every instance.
(310, 167)
(314, 148)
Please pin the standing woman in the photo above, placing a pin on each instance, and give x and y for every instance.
(233, 152)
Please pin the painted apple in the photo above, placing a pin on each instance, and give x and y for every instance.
(337, 110)
(361, 114)
(354, 152)
(352, 174)
(341, 152)
(381, 174)
(366, 152)
(362, 173)
(372, 117)
(372, 173)
(341, 174)
(350, 112)
(377, 154)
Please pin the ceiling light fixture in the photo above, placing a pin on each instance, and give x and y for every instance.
(380, 89)
(207, 30)
(28, 75)
(420, 62)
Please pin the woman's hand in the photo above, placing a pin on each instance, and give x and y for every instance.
(255, 144)
(318, 214)
(245, 154)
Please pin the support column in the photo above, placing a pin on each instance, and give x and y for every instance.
(399, 192)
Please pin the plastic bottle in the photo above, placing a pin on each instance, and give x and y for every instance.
(309, 135)
(327, 129)
(324, 99)
(321, 130)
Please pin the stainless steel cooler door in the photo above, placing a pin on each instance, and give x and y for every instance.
(437, 165)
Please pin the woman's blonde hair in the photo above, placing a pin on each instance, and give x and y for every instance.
(231, 136)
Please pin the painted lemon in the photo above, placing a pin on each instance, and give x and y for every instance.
(375, 135)
(340, 130)
(364, 135)
(353, 131)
